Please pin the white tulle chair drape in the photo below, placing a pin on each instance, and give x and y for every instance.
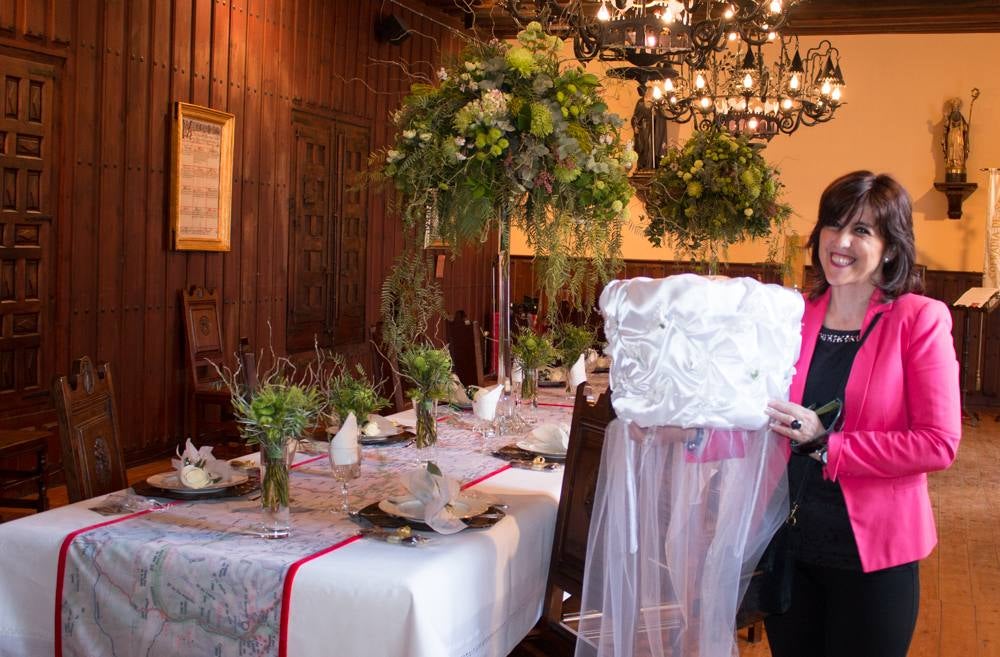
(678, 526)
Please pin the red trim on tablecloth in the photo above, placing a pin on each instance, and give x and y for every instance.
(61, 568)
(554, 404)
(472, 483)
(308, 461)
(286, 593)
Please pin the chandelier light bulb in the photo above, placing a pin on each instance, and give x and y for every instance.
(733, 36)
(786, 104)
(771, 36)
(775, 6)
(699, 81)
(793, 82)
(826, 88)
(672, 100)
(706, 102)
(752, 123)
(657, 92)
(748, 81)
(650, 40)
(668, 84)
(667, 17)
(603, 14)
(836, 94)
(728, 13)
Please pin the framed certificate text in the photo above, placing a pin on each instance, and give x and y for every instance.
(202, 184)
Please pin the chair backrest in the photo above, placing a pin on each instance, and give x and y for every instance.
(569, 545)
(465, 344)
(204, 335)
(88, 430)
(385, 371)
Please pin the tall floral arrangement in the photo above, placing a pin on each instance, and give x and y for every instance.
(510, 137)
(715, 190)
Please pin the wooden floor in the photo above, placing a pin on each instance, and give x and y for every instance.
(959, 582)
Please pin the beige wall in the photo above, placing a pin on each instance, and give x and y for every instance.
(897, 86)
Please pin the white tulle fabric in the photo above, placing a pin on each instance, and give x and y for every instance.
(678, 526)
(693, 351)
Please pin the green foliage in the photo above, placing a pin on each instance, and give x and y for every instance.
(348, 392)
(714, 191)
(428, 369)
(411, 299)
(278, 409)
(532, 351)
(507, 138)
(571, 341)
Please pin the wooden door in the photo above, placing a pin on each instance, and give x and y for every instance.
(26, 241)
(328, 238)
(310, 244)
(351, 220)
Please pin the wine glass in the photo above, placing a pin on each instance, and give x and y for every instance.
(346, 465)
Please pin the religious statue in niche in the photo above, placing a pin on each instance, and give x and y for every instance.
(649, 128)
(955, 142)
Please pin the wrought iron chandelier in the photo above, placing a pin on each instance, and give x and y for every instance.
(715, 62)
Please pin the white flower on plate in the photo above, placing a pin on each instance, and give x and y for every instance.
(194, 477)
(370, 429)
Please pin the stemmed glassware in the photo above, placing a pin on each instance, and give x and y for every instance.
(346, 465)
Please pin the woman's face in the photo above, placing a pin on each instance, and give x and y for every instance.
(851, 254)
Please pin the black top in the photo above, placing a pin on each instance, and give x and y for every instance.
(823, 533)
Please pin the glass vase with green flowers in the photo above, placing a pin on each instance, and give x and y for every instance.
(571, 341)
(428, 371)
(532, 352)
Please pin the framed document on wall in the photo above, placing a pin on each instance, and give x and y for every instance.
(201, 194)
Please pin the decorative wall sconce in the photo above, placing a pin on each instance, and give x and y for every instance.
(955, 144)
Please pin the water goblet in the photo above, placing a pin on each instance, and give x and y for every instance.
(346, 465)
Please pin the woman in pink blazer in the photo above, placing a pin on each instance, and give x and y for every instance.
(878, 363)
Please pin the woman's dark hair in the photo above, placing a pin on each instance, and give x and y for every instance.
(889, 208)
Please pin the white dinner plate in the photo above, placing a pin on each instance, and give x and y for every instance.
(170, 481)
(542, 449)
(387, 428)
(413, 509)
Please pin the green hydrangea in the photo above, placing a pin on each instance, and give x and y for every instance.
(541, 120)
(521, 60)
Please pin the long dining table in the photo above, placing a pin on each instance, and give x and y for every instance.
(194, 578)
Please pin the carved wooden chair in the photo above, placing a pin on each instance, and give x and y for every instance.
(20, 445)
(210, 416)
(555, 633)
(88, 429)
(465, 342)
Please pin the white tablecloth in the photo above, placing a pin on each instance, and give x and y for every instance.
(469, 594)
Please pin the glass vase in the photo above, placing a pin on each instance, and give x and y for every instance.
(529, 387)
(426, 410)
(274, 490)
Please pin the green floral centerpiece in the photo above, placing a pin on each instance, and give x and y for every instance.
(533, 352)
(714, 191)
(509, 137)
(571, 341)
(279, 410)
(429, 371)
(352, 392)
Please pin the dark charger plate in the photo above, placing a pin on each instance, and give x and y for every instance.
(380, 518)
(514, 453)
(401, 437)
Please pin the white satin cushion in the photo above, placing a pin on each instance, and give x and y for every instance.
(693, 351)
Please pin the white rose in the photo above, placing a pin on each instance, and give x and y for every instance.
(370, 429)
(194, 477)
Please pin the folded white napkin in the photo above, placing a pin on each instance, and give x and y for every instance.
(344, 445)
(197, 468)
(552, 438)
(456, 392)
(484, 404)
(435, 491)
(577, 373)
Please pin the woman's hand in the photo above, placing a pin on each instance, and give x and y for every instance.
(793, 421)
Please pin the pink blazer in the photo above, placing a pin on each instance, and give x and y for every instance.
(902, 419)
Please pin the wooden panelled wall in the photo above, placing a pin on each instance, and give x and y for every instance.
(121, 64)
